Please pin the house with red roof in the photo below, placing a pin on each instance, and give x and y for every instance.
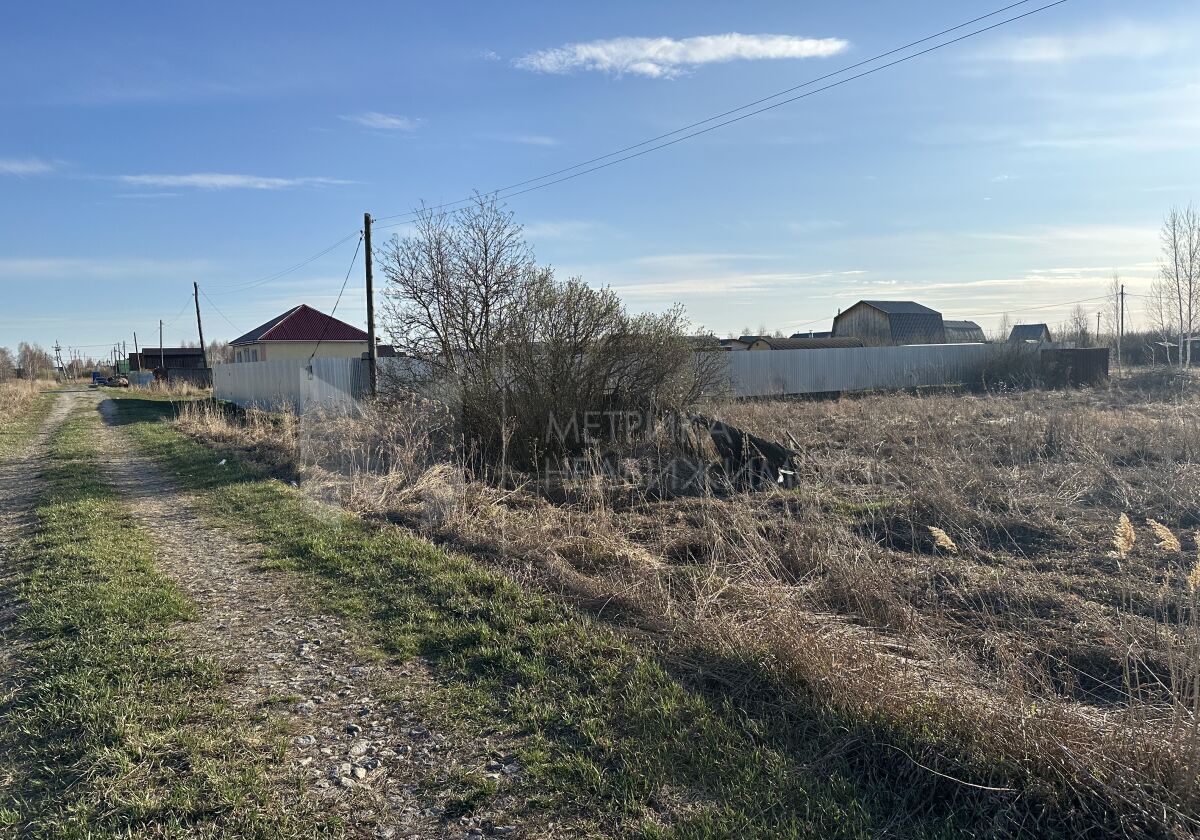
(298, 334)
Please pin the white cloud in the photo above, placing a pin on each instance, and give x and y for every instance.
(1116, 41)
(24, 268)
(223, 181)
(384, 122)
(490, 55)
(666, 58)
(26, 166)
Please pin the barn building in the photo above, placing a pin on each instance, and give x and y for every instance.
(883, 323)
(963, 332)
(1039, 333)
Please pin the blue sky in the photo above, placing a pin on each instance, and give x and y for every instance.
(144, 146)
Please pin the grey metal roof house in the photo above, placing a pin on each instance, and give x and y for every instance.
(1030, 332)
(881, 323)
(767, 342)
(963, 332)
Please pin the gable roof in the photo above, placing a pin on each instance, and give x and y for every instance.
(963, 331)
(1030, 332)
(302, 323)
(900, 307)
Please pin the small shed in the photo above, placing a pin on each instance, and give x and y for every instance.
(963, 332)
(814, 334)
(766, 342)
(882, 323)
(1038, 333)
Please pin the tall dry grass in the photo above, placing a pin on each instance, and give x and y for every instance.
(967, 568)
(17, 397)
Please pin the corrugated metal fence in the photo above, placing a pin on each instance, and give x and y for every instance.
(291, 384)
(274, 385)
(782, 372)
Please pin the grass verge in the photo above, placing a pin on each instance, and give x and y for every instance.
(625, 734)
(110, 728)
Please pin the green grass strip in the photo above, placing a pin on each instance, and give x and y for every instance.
(610, 734)
(115, 729)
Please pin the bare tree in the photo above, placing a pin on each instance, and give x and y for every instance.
(1111, 309)
(1076, 328)
(1176, 293)
(8, 367)
(1003, 329)
(34, 360)
(465, 297)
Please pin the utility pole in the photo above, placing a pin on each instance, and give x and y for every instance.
(199, 326)
(124, 353)
(1121, 329)
(1098, 311)
(372, 353)
(137, 354)
(162, 354)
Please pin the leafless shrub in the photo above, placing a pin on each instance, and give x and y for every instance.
(525, 355)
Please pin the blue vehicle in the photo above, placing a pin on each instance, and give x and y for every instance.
(97, 378)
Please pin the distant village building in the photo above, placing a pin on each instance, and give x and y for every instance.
(168, 358)
(963, 332)
(813, 334)
(883, 323)
(297, 334)
(1039, 333)
(767, 342)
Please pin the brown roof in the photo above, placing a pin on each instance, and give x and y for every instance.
(302, 323)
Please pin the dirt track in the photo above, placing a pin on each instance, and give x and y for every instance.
(373, 761)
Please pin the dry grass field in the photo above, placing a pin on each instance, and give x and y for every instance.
(1006, 582)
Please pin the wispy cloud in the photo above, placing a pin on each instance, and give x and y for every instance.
(25, 268)
(564, 229)
(666, 58)
(1122, 40)
(223, 181)
(489, 55)
(531, 139)
(26, 166)
(384, 122)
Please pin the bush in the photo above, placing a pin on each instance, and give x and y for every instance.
(530, 362)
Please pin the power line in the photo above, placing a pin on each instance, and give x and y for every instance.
(219, 312)
(496, 192)
(325, 329)
(242, 287)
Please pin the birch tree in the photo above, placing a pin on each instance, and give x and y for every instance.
(1176, 292)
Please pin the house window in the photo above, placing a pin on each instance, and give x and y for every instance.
(238, 357)
(254, 355)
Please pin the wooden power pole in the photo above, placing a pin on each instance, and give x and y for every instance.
(372, 353)
(162, 354)
(200, 326)
(137, 354)
(1121, 328)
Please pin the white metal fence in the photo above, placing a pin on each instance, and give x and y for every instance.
(291, 383)
(275, 385)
